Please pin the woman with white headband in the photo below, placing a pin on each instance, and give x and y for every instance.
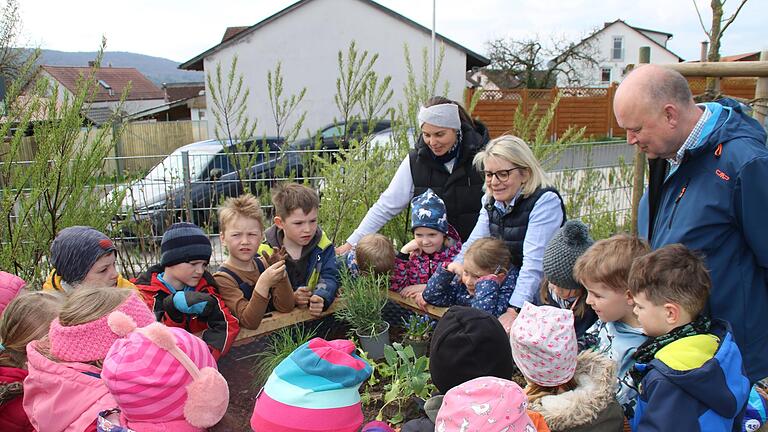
(441, 161)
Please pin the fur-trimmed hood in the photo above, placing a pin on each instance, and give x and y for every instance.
(592, 405)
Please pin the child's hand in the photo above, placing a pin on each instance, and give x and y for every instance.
(411, 248)
(456, 268)
(419, 299)
(277, 255)
(316, 304)
(412, 290)
(272, 275)
(302, 296)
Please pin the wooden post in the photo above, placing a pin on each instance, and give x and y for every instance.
(638, 183)
(761, 95)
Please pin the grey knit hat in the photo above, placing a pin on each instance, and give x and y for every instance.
(560, 256)
(184, 242)
(75, 250)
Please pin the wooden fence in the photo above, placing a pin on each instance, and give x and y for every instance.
(579, 107)
(156, 139)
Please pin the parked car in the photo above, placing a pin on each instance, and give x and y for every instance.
(159, 199)
(331, 137)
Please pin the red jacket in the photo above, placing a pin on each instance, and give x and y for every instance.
(12, 415)
(417, 270)
(219, 328)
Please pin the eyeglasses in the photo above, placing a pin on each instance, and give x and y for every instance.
(501, 175)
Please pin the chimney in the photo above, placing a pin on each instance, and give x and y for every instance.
(704, 49)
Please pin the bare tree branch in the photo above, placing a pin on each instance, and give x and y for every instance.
(732, 17)
(701, 21)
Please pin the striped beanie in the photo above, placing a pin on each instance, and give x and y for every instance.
(315, 389)
(163, 375)
(184, 242)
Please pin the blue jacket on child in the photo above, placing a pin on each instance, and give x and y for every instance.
(446, 289)
(696, 383)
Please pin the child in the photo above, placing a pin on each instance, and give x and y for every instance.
(10, 286)
(484, 283)
(373, 253)
(314, 389)
(485, 404)
(182, 293)
(573, 393)
(81, 255)
(558, 288)
(690, 373)
(311, 258)
(246, 282)
(26, 318)
(467, 343)
(64, 390)
(163, 379)
(603, 270)
(435, 243)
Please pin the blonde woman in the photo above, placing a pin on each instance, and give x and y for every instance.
(520, 207)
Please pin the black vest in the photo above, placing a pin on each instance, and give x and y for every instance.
(462, 189)
(512, 225)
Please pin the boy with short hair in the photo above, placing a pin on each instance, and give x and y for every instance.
(374, 253)
(247, 282)
(603, 270)
(690, 373)
(310, 258)
(182, 293)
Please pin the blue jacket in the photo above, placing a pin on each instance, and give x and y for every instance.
(716, 203)
(446, 289)
(696, 383)
(319, 256)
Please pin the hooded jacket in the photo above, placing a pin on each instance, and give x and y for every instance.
(696, 383)
(417, 270)
(316, 269)
(12, 415)
(63, 397)
(715, 202)
(446, 289)
(591, 406)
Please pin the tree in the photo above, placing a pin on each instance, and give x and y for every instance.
(12, 56)
(530, 63)
(715, 34)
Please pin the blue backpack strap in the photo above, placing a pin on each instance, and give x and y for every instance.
(245, 287)
(259, 265)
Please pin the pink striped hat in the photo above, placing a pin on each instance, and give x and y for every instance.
(91, 341)
(160, 374)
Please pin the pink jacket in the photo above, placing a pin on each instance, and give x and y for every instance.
(61, 397)
(417, 270)
(10, 285)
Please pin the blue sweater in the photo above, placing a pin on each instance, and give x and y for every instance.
(716, 203)
(694, 384)
(446, 289)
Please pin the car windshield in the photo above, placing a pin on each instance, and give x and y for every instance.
(171, 169)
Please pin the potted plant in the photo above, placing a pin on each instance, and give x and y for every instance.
(364, 298)
(417, 331)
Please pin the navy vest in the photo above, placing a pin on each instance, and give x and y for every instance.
(512, 225)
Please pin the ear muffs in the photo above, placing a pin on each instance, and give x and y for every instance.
(207, 394)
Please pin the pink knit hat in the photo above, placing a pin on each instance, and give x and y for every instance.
(544, 344)
(160, 374)
(10, 285)
(91, 341)
(484, 404)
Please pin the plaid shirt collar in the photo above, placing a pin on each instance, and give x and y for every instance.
(692, 139)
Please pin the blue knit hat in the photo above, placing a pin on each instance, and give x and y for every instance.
(428, 211)
(75, 250)
(184, 242)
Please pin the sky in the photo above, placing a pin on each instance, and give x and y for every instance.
(181, 29)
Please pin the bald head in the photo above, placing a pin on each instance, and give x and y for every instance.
(656, 85)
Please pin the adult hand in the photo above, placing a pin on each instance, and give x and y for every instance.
(302, 296)
(456, 268)
(412, 290)
(341, 250)
(271, 276)
(316, 304)
(507, 318)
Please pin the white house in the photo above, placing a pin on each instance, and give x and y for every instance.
(307, 36)
(617, 46)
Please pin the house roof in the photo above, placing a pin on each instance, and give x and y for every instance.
(181, 91)
(473, 59)
(231, 32)
(639, 31)
(750, 56)
(115, 78)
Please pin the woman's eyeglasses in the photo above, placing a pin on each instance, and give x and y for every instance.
(501, 175)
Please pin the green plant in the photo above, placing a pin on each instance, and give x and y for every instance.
(281, 344)
(418, 327)
(364, 298)
(407, 376)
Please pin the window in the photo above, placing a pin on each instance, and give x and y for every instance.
(617, 53)
(605, 74)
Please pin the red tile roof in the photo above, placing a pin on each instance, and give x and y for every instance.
(116, 78)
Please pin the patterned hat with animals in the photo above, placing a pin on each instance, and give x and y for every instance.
(428, 211)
